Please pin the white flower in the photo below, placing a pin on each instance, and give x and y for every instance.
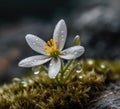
(51, 50)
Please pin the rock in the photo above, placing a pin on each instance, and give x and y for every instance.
(107, 99)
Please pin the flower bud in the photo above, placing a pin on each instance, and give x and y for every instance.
(76, 40)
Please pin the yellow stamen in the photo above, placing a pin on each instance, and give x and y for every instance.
(51, 47)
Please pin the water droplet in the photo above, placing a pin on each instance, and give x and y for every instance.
(37, 39)
(53, 77)
(64, 53)
(80, 77)
(32, 62)
(79, 70)
(16, 79)
(102, 66)
(63, 39)
(30, 81)
(50, 64)
(36, 72)
(24, 83)
(62, 32)
(75, 53)
(62, 35)
(90, 62)
(36, 68)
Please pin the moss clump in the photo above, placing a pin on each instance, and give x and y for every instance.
(40, 92)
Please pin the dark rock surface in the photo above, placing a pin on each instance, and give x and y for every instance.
(107, 99)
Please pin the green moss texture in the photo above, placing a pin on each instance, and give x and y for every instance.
(74, 90)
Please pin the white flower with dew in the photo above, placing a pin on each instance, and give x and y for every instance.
(51, 50)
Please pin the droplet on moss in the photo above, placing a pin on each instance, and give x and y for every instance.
(90, 61)
(16, 79)
(36, 72)
(24, 83)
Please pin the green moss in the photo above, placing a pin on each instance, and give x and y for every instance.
(74, 91)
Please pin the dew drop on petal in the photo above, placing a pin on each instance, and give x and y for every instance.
(50, 64)
(75, 53)
(37, 39)
(62, 32)
(32, 62)
(62, 35)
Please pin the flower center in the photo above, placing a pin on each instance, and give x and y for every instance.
(51, 47)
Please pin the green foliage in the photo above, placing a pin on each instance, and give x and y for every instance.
(77, 87)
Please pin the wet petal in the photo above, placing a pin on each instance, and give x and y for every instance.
(35, 43)
(34, 61)
(54, 67)
(60, 34)
(72, 52)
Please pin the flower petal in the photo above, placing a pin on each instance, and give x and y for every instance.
(35, 43)
(34, 61)
(54, 67)
(72, 52)
(60, 34)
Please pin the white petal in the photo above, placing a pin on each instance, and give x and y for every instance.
(60, 34)
(34, 61)
(54, 67)
(35, 43)
(72, 52)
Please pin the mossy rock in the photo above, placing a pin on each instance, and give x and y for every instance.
(89, 79)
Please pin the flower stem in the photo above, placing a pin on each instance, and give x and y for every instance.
(61, 71)
(67, 65)
(71, 71)
(44, 68)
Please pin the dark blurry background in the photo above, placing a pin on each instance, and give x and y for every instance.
(96, 21)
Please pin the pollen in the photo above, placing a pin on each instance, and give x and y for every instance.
(51, 47)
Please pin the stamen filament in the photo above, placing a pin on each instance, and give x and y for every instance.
(51, 47)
